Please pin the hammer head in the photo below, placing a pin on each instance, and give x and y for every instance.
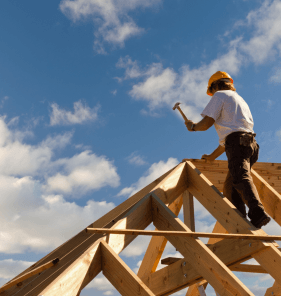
(176, 106)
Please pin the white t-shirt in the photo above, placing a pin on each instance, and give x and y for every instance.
(230, 112)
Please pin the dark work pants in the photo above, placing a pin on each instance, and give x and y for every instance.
(239, 187)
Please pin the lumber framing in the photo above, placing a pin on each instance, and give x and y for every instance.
(120, 275)
(188, 210)
(157, 245)
(234, 240)
(230, 218)
(193, 290)
(168, 187)
(181, 274)
(269, 238)
(274, 290)
(216, 172)
(197, 253)
(238, 267)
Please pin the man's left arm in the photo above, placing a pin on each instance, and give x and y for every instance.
(215, 154)
(202, 125)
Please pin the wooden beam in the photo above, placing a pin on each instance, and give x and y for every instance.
(166, 233)
(139, 216)
(188, 210)
(170, 260)
(197, 253)
(181, 274)
(216, 172)
(71, 251)
(35, 271)
(193, 290)
(238, 267)
(76, 275)
(217, 229)
(248, 268)
(70, 282)
(270, 198)
(231, 219)
(106, 221)
(157, 245)
(274, 290)
(263, 174)
(126, 282)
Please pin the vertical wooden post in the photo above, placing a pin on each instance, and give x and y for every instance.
(188, 210)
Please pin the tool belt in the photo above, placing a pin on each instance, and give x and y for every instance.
(243, 138)
(246, 139)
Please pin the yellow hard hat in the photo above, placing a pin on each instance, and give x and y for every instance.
(218, 75)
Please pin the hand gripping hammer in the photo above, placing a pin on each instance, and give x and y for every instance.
(183, 115)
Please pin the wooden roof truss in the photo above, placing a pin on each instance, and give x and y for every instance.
(73, 265)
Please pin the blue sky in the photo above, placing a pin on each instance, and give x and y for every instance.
(86, 95)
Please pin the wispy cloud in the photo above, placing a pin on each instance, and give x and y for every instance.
(136, 159)
(81, 114)
(29, 199)
(162, 87)
(113, 25)
(276, 77)
(2, 102)
(154, 172)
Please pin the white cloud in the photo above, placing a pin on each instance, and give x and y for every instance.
(26, 206)
(82, 173)
(26, 210)
(100, 283)
(155, 171)
(132, 68)
(17, 158)
(276, 77)
(112, 21)
(82, 113)
(9, 268)
(136, 159)
(4, 99)
(163, 87)
(57, 141)
(266, 40)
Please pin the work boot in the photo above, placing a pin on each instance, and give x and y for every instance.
(261, 220)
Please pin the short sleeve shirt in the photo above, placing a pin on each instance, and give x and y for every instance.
(230, 112)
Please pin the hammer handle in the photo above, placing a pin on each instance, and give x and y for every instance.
(183, 115)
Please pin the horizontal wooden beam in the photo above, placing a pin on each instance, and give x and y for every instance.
(248, 268)
(237, 267)
(185, 234)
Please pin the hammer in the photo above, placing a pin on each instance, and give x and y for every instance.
(177, 106)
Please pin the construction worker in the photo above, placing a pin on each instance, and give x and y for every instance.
(233, 121)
